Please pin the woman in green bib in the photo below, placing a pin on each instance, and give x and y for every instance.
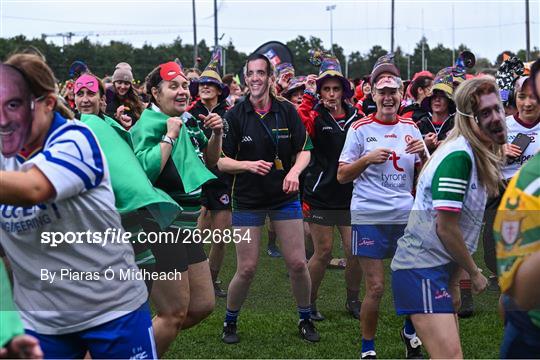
(173, 151)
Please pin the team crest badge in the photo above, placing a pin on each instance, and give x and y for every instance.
(408, 139)
(510, 231)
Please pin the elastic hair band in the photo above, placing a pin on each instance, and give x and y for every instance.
(466, 115)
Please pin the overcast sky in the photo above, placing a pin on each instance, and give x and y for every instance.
(487, 27)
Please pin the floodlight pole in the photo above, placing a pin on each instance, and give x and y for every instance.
(527, 31)
(215, 25)
(392, 29)
(331, 8)
(195, 45)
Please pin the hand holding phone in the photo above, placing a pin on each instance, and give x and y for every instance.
(522, 141)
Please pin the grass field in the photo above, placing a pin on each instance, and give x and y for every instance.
(267, 323)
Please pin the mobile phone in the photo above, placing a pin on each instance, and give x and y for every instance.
(522, 141)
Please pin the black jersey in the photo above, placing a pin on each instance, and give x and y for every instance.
(253, 137)
(321, 188)
(198, 108)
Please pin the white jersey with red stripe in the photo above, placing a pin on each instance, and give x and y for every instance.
(382, 194)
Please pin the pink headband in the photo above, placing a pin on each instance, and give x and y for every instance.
(87, 81)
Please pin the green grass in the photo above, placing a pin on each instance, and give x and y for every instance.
(267, 323)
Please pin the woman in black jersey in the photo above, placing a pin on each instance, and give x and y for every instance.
(326, 202)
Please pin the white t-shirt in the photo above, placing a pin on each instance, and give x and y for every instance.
(382, 193)
(515, 127)
(83, 298)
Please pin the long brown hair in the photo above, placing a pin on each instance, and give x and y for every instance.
(131, 100)
(488, 158)
(40, 77)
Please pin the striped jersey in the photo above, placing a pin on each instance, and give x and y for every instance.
(79, 297)
(517, 226)
(382, 194)
(448, 182)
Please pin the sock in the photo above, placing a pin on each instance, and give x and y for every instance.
(368, 345)
(231, 316)
(271, 238)
(352, 294)
(304, 312)
(410, 331)
(214, 274)
(465, 284)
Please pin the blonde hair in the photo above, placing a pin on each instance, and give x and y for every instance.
(488, 158)
(40, 77)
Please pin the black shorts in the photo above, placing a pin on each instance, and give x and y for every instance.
(174, 256)
(216, 195)
(326, 217)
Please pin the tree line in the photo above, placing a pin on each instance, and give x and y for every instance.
(101, 58)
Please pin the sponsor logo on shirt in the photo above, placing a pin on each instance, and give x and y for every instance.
(522, 159)
(328, 128)
(246, 139)
(394, 157)
(16, 219)
(371, 139)
(392, 136)
(393, 180)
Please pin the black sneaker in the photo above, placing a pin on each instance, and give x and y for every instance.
(493, 284)
(353, 307)
(218, 291)
(315, 314)
(308, 331)
(229, 333)
(371, 354)
(467, 305)
(413, 347)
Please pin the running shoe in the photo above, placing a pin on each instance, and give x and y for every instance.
(493, 284)
(218, 291)
(229, 335)
(467, 305)
(353, 307)
(307, 331)
(336, 263)
(371, 354)
(413, 347)
(315, 314)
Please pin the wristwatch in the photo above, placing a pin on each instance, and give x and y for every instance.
(168, 140)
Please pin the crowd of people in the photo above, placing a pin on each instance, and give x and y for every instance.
(417, 171)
